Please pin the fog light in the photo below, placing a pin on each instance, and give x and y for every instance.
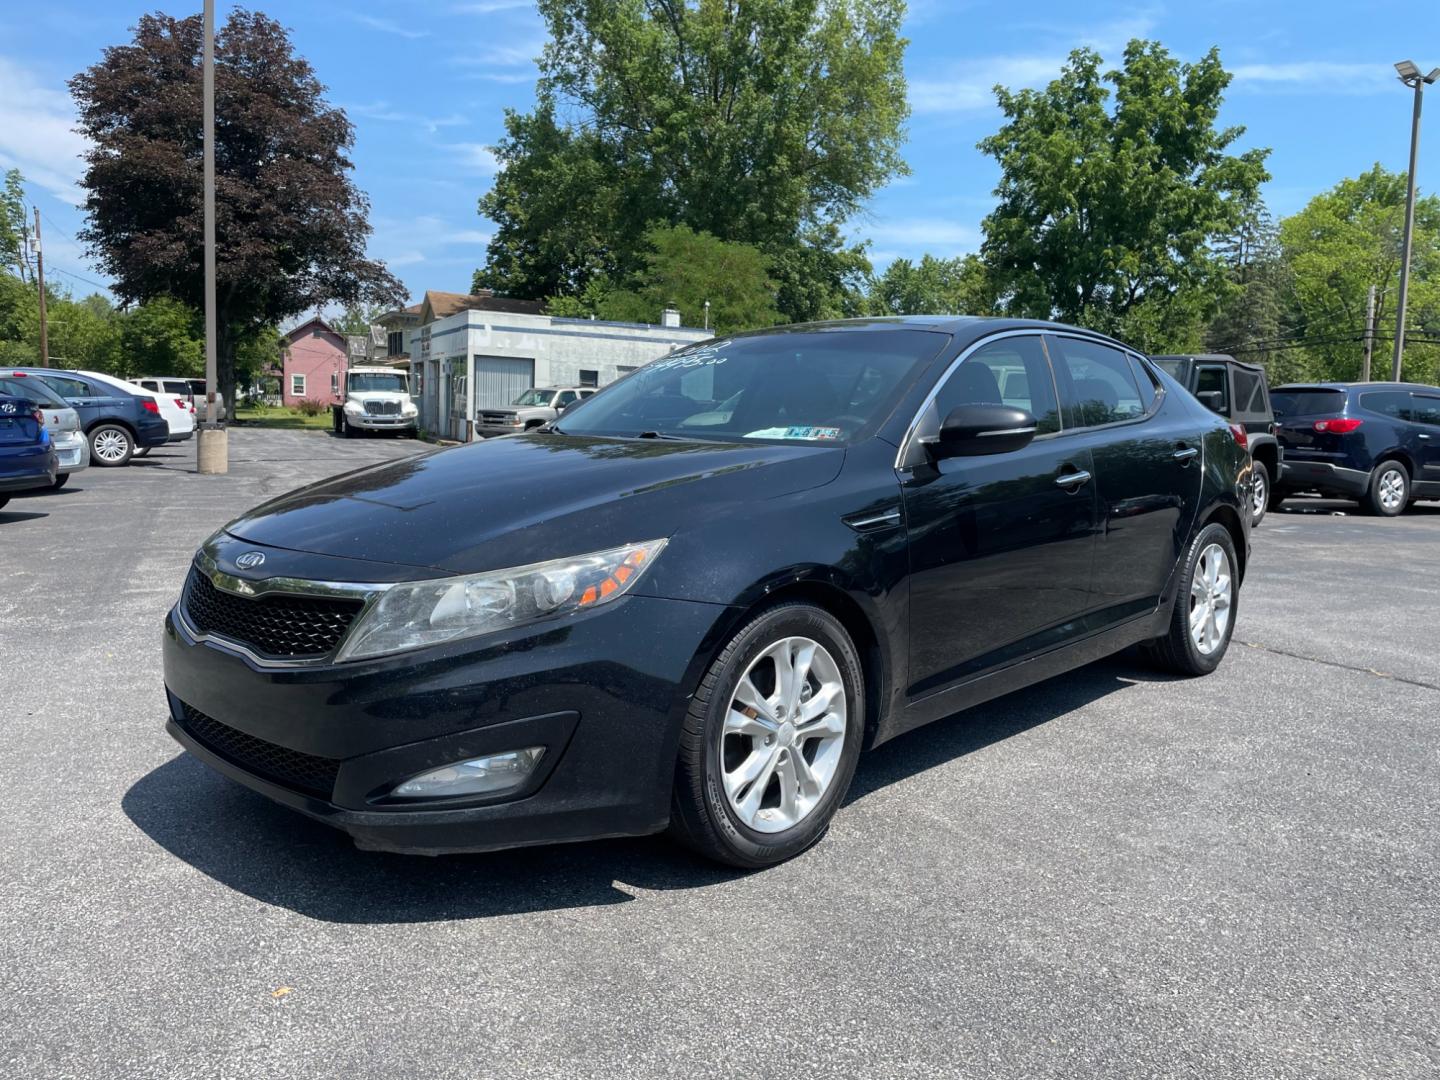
(478, 776)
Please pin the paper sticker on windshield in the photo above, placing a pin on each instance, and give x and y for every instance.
(795, 433)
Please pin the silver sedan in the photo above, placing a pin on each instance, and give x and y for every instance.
(72, 449)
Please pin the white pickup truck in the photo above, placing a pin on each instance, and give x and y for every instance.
(376, 399)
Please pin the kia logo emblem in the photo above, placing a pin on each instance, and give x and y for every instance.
(250, 560)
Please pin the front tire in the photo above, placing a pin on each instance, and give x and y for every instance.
(1203, 618)
(1260, 492)
(60, 481)
(771, 739)
(1389, 490)
(111, 446)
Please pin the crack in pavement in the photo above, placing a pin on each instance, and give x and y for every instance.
(1343, 667)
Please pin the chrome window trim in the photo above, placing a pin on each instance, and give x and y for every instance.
(911, 431)
(1129, 352)
(205, 563)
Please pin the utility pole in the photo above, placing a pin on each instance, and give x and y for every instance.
(1369, 335)
(211, 449)
(1410, 76)
(40, 276)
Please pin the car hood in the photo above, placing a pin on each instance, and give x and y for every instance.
(525, 498)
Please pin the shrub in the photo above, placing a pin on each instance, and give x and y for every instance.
(311, 406)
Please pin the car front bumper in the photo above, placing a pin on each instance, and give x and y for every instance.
(1323, 476)
(490, 431)
(604, 694)
(379, 423)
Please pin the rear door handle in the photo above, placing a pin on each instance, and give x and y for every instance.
(1072, 480)
(1185, 453)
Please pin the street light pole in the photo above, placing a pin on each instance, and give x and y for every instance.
(211, 450)
(1410, 76)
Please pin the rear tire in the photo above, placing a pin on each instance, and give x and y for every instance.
(1389, 490)
(111, 446)
(763, 767)
(1260, 492)
(1203, 618)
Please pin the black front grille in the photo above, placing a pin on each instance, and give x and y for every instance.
(382, 408)
(278, 627)
(288, 768)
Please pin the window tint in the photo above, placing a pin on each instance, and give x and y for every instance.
(1249, 397)
(1426, 409)
(177, 386)
(1011, 371)
(1103, 387)
(1392, 403)
(1211, 380)
(32, 389)
(1305, 401)
(1145, 381)
(566, 398)
(68, 387)
(1168, 364)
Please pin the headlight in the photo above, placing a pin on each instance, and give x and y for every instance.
(354, 406)
(409, 409)
(420, 613)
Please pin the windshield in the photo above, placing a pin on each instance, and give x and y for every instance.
(363, 382)
(33, 389)
(534, 396)
(1306, 402)
(827, 387)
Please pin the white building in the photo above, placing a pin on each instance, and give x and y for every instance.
(480, 358)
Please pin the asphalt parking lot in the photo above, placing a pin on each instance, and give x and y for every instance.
(1112, 874)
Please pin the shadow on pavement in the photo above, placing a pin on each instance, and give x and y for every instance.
(280, 857)
(8, 517)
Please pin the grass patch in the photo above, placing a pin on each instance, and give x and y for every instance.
(286, 417)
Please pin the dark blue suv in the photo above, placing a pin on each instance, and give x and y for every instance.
(1375, 442)
(116, 423)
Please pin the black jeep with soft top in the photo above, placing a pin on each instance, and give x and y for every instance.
(1238, 392)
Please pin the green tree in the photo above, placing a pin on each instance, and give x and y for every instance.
(1253, 320)
(1107, 211)
(14, 225)
(766, 123)
(1341, 243)
(291, 223)
(933, 286)
(357, 318)
(163, 337)
(684, 269)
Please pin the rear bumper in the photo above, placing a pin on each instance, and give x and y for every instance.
(1324, 477)
(153, 434)
(181, 436)
(29, 472)
(72, 452)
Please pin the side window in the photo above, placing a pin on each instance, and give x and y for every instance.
(1103, 389)
(566, 398)
(70, 388)
(585, 393)
(1425, 408)
(1011, 371)
(1247, 392)
(1392, 403)
(1145, 381)
(1210, 379)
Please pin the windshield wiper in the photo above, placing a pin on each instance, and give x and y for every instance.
(658, 435)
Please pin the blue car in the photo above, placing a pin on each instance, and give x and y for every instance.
(27, 457)
(117, 423)
(1375, 442)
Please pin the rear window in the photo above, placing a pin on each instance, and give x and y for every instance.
(1249, 392)
(32, 389)
(1306, 402)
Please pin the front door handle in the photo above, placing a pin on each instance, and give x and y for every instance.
(1185, 453)
(1072, 480)
(1424, 436)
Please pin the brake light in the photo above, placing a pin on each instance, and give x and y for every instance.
(1340, 425)
(150, 405)
(1241, 439)
(182, 403)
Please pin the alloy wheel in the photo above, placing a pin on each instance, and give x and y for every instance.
(783, 735)
(1259, 496)
(110, 446)
(1392, 489)
(1210, 599)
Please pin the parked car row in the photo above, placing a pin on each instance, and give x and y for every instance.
(84, 418)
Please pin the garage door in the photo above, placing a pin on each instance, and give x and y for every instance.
(499, 380)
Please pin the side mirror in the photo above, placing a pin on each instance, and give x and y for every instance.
(1213, 400)
(975, 430)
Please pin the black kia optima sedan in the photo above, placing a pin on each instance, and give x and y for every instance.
(694, 599)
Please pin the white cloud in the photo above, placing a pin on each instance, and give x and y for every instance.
(390, 26)
(405, 258)
(500, 55)
(384, 111)
(936, 235)
(478, 157)
(491, 7)
(37, 133)
(1315, 76)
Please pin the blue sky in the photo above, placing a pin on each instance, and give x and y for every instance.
(425, 83)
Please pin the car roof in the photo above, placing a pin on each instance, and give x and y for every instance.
(1354, 386)
(965, 328)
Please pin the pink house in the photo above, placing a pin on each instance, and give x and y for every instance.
(313, 364)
